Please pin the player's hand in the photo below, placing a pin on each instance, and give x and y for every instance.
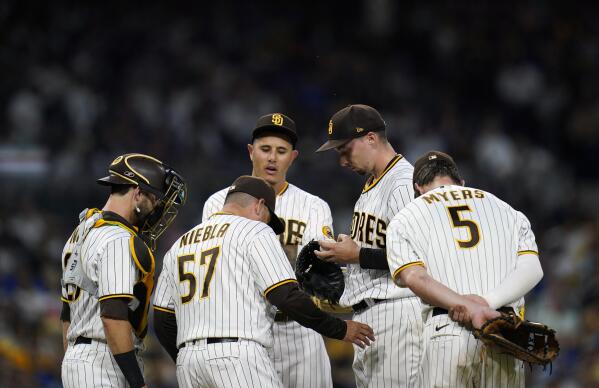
(473, 315)
(344, 251)
(359, 334)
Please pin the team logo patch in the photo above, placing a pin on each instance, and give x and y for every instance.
(277, 119)
(117, 160)
(327, 232)
(359, 129)
(432, 157)
(128, 174)
(330, 127)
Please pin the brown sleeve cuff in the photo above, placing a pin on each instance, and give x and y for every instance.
(115, 308)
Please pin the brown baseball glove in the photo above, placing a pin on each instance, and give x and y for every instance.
(531, 342)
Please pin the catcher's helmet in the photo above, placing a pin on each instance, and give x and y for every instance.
(152, 176)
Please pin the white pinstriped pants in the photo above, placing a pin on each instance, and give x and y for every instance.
(300, 357)
(230, 364)
(92, 365)
(454, 358)
(393, 359)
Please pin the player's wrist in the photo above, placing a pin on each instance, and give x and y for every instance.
(127, 362)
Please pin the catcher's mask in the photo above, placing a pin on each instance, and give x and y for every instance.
(152, 176)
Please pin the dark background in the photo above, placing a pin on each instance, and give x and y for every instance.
(510, 89)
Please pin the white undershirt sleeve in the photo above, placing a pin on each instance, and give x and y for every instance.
(521, 280)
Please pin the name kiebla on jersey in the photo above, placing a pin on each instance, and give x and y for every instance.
(198, 235)
(368, 229)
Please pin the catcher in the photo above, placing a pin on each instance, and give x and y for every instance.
(472, 258)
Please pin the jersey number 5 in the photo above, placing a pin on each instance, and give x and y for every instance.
(458, 222)
(207, 257)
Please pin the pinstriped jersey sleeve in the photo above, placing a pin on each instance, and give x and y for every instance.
(116, 270)
(400, 196)
(319, 220)
(163, 295)
(401, 252)
(269, 265)
(526, 237)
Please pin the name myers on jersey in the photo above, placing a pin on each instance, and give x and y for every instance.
(452, 195)
(196, 236)
(368, 229)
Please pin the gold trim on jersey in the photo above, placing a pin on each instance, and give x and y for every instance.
(283, 189)
(124, 177)
(528, 252)
(102, 222)
(163, 309)
(397, 271)
(221, 214)
(65, 300)
(130, 296)
(137, 172)
(371, 183)
(282, 282)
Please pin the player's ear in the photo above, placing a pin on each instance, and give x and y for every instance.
(418, 190)
(463, 182)
(251, 151)
(294, 155)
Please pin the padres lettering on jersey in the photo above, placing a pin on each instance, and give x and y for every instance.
(467, 238)
(380, 200)
(216, 276)
(305, 216)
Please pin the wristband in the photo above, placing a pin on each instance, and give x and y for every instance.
(130, 368)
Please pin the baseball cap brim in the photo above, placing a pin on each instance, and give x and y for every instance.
(332, 144)
(275, 129)
(114, 180)
(275, 223)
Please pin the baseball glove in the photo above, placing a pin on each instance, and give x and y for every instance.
(317, 277)
(531, 342)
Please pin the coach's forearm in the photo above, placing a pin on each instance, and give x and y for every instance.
(374, 258)
(430, 290)
(519, 282)
(292, 301)
(165, 326)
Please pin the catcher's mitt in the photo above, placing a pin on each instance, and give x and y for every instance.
(317, 277)
(528, 341)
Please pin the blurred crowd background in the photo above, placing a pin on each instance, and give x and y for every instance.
(510, 89)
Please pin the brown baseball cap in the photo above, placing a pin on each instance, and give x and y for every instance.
(275, 123)
(432, 157)
(352, 122)
(260, 189)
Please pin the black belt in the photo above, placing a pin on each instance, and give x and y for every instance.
(363, 305)
(282, 317)
(83, 340)
(209, 341)
(441, 311)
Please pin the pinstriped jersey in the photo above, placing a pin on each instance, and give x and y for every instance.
(107, 261)
(306, 217)
(380, 200)
(468, 239)
(215, 278)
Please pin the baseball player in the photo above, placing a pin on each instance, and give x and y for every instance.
(215, 296)
(358, 133)
(299, 354)
(108, 273)
(455, 240)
